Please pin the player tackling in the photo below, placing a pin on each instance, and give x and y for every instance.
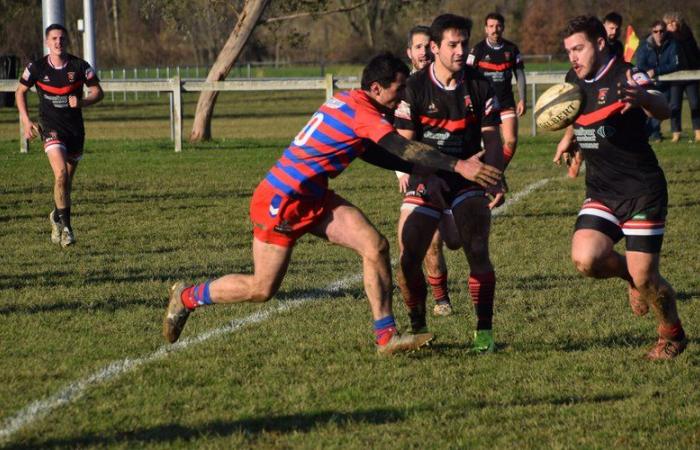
(294, 199)
(626, 193)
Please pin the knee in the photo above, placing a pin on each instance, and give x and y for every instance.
(62, 178)
(261, 294)
(585, 264)
(510, 143)
(645, 282)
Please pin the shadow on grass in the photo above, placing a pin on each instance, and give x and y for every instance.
(250, 428)
(544, 282)
(103, 305)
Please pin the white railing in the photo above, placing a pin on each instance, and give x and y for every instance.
(175, 87)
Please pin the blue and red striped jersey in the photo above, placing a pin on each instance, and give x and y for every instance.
(327, 144)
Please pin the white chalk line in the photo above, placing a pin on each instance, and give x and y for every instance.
(41, 408)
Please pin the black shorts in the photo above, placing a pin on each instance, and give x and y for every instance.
(418, 199)
(641, 220)
(71, 144)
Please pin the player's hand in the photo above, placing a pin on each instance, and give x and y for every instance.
(31, 129)
(633, 94)
(574, 164)
(565, 150)
(73, 101)
(497, 194)
(474, 170)
(520, 108)
(403, 182)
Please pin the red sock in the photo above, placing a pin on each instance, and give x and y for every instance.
(673, 333)
(482, 287)
(439, 288)
(187, 298)
(507, 155)
(417, 291)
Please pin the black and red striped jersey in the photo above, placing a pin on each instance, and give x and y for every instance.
(54, 85)
(620, 163)
(498, 63)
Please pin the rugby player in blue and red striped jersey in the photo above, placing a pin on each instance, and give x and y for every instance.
(625, 186)
(294, 199)
(59, 79)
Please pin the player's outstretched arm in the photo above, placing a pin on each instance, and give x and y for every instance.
(424, 155)
(652, 102)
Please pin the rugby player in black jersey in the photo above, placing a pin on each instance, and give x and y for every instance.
(418, 52)
(626, 193)
(499, 60)
(59, 79)
(450, 106)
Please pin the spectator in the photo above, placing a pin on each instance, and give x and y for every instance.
(658, 55)
(613, 26)
(688, 59)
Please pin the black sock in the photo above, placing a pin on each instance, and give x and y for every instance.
(55, 214)
(64, 216)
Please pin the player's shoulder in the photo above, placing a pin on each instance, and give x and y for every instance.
(73, 60)
(472, 73)
(509, 45)
(479, 46)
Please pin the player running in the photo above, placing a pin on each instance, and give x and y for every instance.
(452, 107)
(294, 199)
(418, 52)
(499, 60)
(59, 78)
(626, 192)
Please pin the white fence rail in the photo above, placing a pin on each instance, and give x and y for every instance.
(175, 87)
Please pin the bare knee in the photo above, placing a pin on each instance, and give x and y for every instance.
(261, 294)
(510, 143)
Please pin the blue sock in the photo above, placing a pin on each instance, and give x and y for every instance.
(201, 294)
(384, 329)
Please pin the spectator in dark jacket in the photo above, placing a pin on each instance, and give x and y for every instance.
(658, 55)
(688, 59)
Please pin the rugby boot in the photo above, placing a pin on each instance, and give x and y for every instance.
(67, 237)
(483, 342)
(404, 343)
(55, 230)
(666, 349)
(443, 309)
(639, 307)
(176, 315)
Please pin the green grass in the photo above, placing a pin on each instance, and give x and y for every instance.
(568, 372)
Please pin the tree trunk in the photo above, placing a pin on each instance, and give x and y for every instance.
(252, 10)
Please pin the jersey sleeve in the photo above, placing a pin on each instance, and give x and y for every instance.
(90, 74)
(406, 116)
(519, 64)
(29, 76)
(370, 124)
(491, 108)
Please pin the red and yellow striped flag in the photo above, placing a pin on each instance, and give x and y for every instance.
(631, 43)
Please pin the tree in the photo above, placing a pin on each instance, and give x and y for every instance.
(247, 20)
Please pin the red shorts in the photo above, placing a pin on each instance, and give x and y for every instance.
(281, 220)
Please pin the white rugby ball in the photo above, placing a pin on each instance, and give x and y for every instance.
(558, 106)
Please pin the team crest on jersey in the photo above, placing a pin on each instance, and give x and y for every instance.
(602, 95)
(468, 102)
(507, 55)
(71, 77)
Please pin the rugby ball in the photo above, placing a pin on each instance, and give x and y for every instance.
(558, 106)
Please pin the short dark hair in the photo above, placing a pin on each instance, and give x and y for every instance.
(658, 22)
(614, 18)
(449, 22)
(382, 69)
(591, 26)
(55, 26)
(495, 16)
(418, 29)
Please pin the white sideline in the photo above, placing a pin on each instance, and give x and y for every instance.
(41, 408)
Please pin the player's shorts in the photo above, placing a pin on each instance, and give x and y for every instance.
(641, 221)
(281, 220)
(507, 113)
(506, 101)
(418, 199)
(72, 145)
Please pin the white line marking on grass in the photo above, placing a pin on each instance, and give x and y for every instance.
(41, 408)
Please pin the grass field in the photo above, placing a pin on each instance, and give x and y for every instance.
(84, 365)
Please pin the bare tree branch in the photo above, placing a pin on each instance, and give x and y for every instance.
(310, 13)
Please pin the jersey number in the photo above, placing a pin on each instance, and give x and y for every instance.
(308, 130)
